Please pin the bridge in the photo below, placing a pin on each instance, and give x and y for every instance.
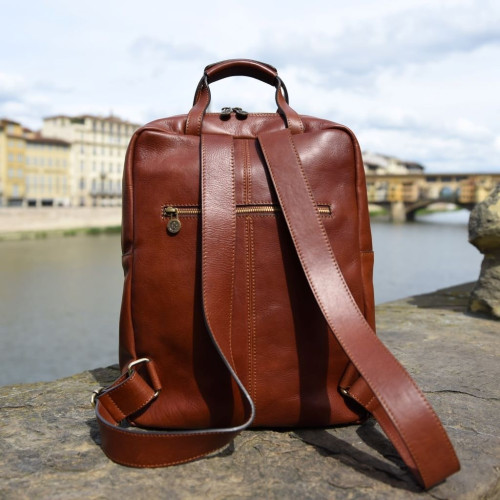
(403, 194)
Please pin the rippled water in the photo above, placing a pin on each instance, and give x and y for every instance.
(60, 297)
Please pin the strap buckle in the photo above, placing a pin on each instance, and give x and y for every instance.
(130, 371)
(95, 394)
(136, 362)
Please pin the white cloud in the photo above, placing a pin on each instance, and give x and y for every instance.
(415, 78)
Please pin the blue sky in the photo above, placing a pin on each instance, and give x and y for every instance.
(416, 79)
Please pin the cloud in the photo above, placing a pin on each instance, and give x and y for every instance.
(416, 78)
(147, 47)
(10, 87)
(357, 51)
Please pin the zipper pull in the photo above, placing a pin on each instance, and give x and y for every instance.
(225, 114)
(174, 224)
(240, 113)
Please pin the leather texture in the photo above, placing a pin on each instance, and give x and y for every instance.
(263, 318)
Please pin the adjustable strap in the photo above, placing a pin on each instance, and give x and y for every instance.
(131, 393)
(398, 405)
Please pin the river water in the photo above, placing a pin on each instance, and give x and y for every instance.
(60, 297)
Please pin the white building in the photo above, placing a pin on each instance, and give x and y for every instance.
(376, 163)
(98, 147)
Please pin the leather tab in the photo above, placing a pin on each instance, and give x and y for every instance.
(127, 397)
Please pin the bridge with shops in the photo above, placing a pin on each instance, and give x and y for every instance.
(403, 194)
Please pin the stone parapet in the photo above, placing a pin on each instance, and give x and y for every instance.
(49, 439)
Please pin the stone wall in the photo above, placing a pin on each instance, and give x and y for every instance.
(49, 443)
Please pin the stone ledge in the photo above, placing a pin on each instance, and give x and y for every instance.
(48, 433)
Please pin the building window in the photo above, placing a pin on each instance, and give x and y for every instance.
(82, 166)
(11, 173)
(82, 183)
(20, 173)
(11, 157)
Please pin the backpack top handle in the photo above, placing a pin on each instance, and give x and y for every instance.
(240, 67)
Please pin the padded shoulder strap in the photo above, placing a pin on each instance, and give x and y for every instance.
(398, 405)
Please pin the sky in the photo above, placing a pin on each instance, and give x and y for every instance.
(415, 79)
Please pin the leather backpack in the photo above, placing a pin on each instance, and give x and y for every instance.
(248, 297)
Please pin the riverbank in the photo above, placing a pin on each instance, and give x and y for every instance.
(50, 442)
(32, 223)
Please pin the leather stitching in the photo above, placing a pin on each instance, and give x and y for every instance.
(248, 304)
(233, 252)
(254, 317)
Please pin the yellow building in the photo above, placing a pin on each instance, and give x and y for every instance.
(47, 171)
(98, 147)
(12, 163)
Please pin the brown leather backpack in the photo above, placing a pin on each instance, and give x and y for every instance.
(248, 298)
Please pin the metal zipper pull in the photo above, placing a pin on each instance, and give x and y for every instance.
(225, 114)
(174, 224)
(240, 113)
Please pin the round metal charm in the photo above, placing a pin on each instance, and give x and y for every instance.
(174, 226)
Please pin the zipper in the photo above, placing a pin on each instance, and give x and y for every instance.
(174, 224)
(225, 113)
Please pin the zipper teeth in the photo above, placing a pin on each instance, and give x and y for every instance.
(255, 209)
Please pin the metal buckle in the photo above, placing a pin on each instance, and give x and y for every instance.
(95, 394)
(135, 363)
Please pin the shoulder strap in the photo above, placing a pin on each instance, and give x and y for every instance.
(130, 393)
(385, 389)
(398, 405)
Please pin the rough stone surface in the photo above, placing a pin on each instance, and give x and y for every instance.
(49, 440)
(484, 234)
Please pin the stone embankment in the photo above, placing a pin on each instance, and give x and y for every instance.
(484, 234)
(32, 222)
(49, 443)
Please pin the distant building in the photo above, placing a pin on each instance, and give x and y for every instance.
(34, 170)
(47, 171)
(98, 147)
(378, 164)
(12, 163)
